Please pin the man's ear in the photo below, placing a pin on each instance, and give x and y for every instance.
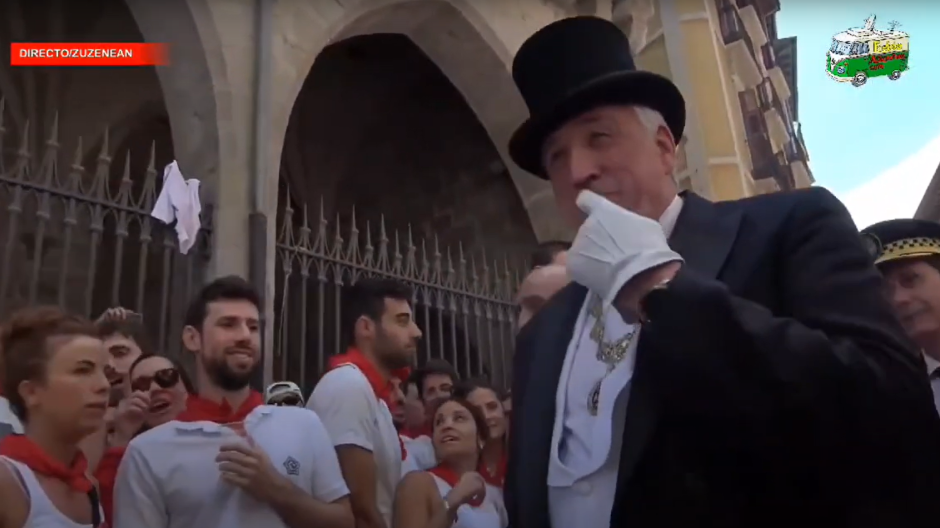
(192, 340)
(29, 391)
(666, 145)
(364, 327)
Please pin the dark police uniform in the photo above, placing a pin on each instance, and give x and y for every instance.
(904, 239)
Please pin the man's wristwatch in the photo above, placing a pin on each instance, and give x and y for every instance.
(644, 302)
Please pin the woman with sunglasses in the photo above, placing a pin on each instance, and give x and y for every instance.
(53, 370)
(164, 385)
(453, 494)
(159, 388)
(485, 398)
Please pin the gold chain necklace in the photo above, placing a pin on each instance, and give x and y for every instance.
(610, 353)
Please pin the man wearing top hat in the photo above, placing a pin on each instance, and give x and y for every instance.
(712, 364)
(907, 252)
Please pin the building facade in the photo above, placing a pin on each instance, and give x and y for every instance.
(336, 140)
(929, 207)
(739, 78)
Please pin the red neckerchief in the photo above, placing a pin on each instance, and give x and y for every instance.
(24, 450)
(202, 410)
(106, 475)
(499, 476)
(381, 386)
(451, 478)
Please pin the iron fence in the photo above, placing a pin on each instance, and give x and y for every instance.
(85, 240)
(462, 303)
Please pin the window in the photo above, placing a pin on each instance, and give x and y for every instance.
(748, 101)
(755, 124)
(841, 48)
(765, 94)
(770, 21)
(770, 60)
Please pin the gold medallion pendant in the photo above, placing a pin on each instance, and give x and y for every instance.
(610, 353)
(594, 398)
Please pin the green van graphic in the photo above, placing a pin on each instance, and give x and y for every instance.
(857, 54)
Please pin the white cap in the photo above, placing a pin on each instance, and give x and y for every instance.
(278, 389)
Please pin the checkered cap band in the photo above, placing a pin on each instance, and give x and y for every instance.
(909, 248)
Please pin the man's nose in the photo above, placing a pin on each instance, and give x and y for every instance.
(243, 332)
(102, 385)
(581, 168)
(900, 297)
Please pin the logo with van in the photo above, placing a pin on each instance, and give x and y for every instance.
(859, 54)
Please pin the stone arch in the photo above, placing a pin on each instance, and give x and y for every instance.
(173, 108)
(464, 45)
(189, 85)
(425, 151)
(48, 251)
(380, 127)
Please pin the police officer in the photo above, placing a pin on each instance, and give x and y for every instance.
(907, 252)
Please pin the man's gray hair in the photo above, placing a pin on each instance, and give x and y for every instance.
(651, 119)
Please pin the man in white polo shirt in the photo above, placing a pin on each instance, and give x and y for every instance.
(351, 399)
(229, 461)
(9, 423)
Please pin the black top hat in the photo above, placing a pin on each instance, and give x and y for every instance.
(574, 65)
(903, 238)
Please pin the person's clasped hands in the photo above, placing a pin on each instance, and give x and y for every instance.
(247, 466)
(617, 250)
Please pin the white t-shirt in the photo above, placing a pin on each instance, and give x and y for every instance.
(352, 414)
(169, 478)
(420, 452)
(9, 423)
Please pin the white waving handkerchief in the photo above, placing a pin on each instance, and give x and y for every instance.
(613, 246)
(179, 202)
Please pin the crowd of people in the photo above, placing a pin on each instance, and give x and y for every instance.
(105, 430)
(681, 363)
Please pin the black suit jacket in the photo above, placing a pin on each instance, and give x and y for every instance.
(772, 385)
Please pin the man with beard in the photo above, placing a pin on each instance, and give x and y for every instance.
(352, 397)
(229, 461)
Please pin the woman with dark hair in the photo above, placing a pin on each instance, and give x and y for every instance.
(165, 386)
(159, 389)
(53, 368)
(485, 398)
(452, 494)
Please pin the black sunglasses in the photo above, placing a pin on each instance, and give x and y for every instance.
(289, 400)
(164, 378)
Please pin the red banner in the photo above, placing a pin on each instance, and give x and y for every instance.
(87, 54)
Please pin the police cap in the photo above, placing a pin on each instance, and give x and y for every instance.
(903, 238)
